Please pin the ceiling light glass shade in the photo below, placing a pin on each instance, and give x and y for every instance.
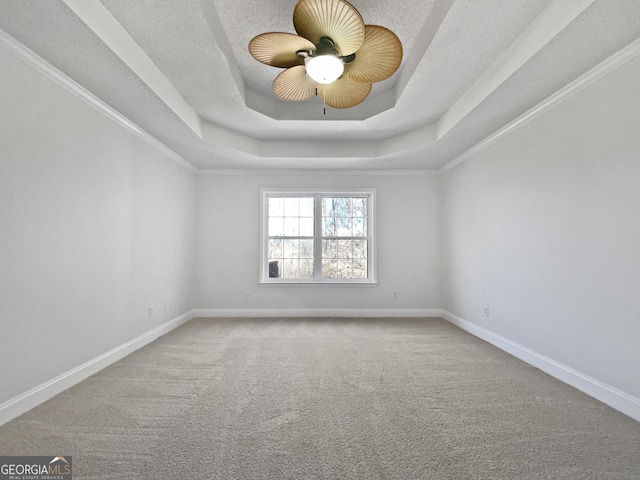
(324, 69)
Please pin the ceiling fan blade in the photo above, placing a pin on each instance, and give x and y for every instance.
(343, 93)
(378, 58)
(279, 49)
(294, 85)
(336, 19)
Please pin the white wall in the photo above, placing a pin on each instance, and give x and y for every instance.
(229, 244)
(95, 226)
(543, 227)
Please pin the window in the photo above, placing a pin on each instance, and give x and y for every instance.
(313, 236)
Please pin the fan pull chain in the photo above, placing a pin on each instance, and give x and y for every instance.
(324, 106)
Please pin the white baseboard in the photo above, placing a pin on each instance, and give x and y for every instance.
(613, 397)
(318, 312)
(34, 397)
(621, 401)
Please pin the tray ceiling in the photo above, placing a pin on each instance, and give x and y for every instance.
(182, 72)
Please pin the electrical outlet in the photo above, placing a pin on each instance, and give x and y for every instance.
(395, 295)
(486, 311)
(247, 294)
(151, 311)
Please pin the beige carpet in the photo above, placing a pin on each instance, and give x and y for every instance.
(327, 399)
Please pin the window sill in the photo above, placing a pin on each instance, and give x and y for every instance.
(298, 283)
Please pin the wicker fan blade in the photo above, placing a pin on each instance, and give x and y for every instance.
(279, 49)
(343, 93)
(378, 58)
(336, 19)
(294, 85)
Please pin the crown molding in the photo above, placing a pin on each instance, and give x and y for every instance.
(100, 20)
(554, 19)
(43, 67)
(109, 30)
(312, 111)
(407, 140)
(600, 71)
(225, 138)
(317, 172)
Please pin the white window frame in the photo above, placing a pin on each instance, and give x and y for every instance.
(369, 193)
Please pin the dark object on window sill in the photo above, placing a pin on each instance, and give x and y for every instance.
(274, 271)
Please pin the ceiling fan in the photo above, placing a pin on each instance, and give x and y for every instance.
(335, 55)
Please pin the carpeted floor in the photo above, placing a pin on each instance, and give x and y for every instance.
(327, 399)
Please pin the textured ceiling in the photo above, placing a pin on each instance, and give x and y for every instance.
(182, 72)
(406, 19)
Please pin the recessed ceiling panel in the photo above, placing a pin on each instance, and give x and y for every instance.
(404, 18)
(178, 38)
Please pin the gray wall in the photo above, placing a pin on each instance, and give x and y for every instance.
(229, 246)
(95, 226)
(543, 227)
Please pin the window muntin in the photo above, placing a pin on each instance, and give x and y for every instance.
(344, 239)
(290, 237)
(317, 237)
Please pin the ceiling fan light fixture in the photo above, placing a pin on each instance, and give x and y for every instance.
(324, 69)
(334, 54)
